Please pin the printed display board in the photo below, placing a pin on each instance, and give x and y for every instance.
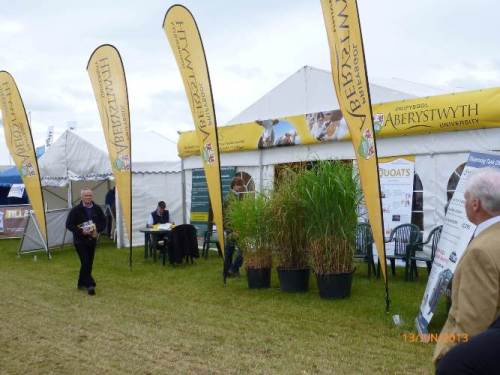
(396, 181)
(456, 235)
(13, 220)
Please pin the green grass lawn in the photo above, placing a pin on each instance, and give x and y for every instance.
(165, 320)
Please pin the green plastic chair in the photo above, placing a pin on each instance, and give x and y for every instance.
(364, 246)
(419, 255)
(405, 237)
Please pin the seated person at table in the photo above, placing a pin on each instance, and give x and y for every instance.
(158, 216)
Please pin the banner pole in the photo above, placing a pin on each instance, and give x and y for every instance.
(347, 59)
(45, 245)
(109, 83)
(386, 279)
(185, 40)
(19, 250)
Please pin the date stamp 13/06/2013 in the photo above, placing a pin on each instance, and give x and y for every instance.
(456, 338)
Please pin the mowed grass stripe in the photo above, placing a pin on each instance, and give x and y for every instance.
(160, 320)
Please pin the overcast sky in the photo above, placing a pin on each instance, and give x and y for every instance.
(251, 47)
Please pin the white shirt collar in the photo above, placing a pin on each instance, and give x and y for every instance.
(486, 224)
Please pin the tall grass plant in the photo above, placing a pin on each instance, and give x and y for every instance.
(250, 220)
(288, 222)
(330, 194)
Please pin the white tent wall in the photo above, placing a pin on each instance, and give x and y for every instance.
(148, 189)
(434, 172)
(55, 197)
(58, 235)
(188, 189)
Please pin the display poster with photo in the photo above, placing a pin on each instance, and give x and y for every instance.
(276, 133)
(13, 220)
(456, 235)
(396, 190)
(396, 182)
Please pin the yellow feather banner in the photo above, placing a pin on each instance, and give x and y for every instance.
(351, 86)
(107, 75)
(20, 143)
(185, 41)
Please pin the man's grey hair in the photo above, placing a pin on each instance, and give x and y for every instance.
(484, 185)
(85, 189)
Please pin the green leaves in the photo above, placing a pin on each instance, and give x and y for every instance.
(289, 220)
(329, 193)
(250, 220)
(310, 218)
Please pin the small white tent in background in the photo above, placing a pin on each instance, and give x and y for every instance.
(79, 159)
(73, 162)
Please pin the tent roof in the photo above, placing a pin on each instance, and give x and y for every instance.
(73, 158)
(156, 167)
(310, 90)
(147, 145)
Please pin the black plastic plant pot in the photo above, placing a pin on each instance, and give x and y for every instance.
(335, 285)
(259, 278)
(294, 280)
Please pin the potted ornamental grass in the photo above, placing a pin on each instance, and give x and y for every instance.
(330, 194)
(250, 221)
(289, 236)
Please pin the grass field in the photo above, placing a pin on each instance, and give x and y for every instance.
(182, 320)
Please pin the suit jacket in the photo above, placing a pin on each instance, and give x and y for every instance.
(78, 215)
(477, 356)
(157, 219)
(475, 294)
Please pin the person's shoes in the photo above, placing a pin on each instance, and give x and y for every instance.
(233, 274)
(91, 291)
(81, 287)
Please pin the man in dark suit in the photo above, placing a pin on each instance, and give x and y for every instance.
(85, 221)
(476, 284)
(158, 216)
(232, 267)
(478, 356)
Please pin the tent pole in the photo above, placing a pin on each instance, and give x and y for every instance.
(19, 250)
(45, 245)
(70, 194)
(183, 181)
(261, 173)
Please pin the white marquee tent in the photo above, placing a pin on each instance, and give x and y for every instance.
(309, 90)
